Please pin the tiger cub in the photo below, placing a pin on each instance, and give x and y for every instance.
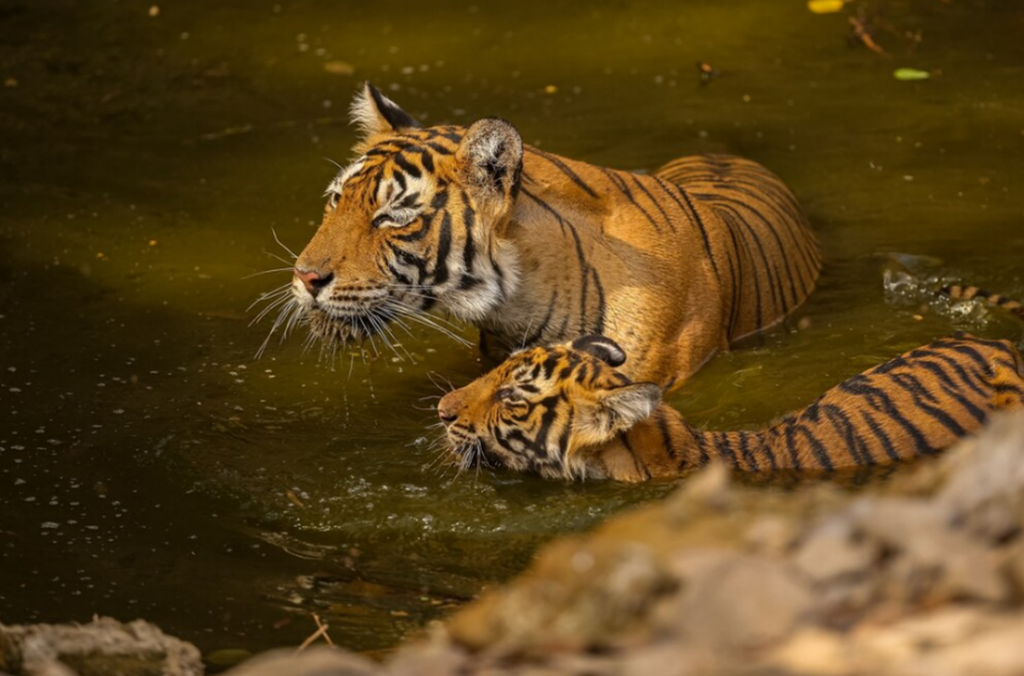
(567, 412)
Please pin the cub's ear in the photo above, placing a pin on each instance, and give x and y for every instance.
(614, 411)
(602, 347)
(491, 157)
(375, 113)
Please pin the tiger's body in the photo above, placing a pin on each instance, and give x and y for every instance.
(537, 249)
(567, 412)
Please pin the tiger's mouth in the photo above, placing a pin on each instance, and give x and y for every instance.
(352, 316)
(467, 449)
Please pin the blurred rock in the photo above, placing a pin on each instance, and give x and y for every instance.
(104, 647)
(313, 662)
(922, 576)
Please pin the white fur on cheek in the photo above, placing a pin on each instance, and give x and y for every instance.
(477, 303)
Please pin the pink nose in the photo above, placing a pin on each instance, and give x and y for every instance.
(448, 408)
(313, 280)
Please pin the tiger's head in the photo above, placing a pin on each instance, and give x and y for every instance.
(541, 409)
(416, 220)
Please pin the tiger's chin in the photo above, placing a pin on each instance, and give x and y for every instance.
(331, 329)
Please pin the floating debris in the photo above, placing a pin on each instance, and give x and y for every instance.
(825, 6)
(910, 74)
(339, 68)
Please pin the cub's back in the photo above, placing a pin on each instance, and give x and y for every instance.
(916, 404)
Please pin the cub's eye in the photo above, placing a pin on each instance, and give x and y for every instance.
(384, 221)
(332, 200)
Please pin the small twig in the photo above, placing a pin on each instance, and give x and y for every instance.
(322, 631)
(862, 32)
(327, 637)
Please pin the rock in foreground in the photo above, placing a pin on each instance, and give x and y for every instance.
(104, 647)
(921, 576)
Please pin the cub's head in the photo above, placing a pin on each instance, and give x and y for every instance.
(415, 220)
(543, 407)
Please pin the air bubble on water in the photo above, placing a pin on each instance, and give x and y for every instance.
(50, 525)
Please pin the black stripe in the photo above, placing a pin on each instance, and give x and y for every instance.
(664, 214)
(620, 183)
(407, 166)
(772, 272)
(409, 259)
(880, 401)
(666, 438)
(535, 337)
(745, 450)
(444, 245)
(918, 393)
(737, 280)
(787, 433)
(855, 444)
(880, 435)
(723, 445)
(469, 252)
(601, 305)
(399, 277)
(732, 227)
(820, 452)
(565, 169)
(951, 390)
(769, 194)
(694, 218)
(964, 376)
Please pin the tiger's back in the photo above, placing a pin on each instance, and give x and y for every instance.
(673, 265)
(767, 258)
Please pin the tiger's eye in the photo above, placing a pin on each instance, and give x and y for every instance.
(508, 395)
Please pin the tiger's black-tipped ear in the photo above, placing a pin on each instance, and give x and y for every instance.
(375, 113)
(491, 156)
(602, 347)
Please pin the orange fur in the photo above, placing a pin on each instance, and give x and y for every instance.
(536, 249)
(568, 412)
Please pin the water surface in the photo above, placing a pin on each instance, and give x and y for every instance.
(151, 467)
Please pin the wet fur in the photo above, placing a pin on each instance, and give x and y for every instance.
(567, 412)
(537, 249)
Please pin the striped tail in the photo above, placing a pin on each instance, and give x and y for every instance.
(961, 292)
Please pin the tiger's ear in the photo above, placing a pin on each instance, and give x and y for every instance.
(602, 347)
(614, 411)
(491, 158)
(375, 113)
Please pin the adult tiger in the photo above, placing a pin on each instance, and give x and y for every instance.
(536, 249)
(568, 412)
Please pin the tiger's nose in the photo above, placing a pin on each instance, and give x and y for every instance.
(313, 280)
(448, 408)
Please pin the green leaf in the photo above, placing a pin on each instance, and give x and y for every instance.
(907, 74)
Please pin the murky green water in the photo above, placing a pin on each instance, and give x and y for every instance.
(149, 466)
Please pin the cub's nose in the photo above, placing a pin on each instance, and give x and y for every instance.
(448, 408)
(313, 280)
